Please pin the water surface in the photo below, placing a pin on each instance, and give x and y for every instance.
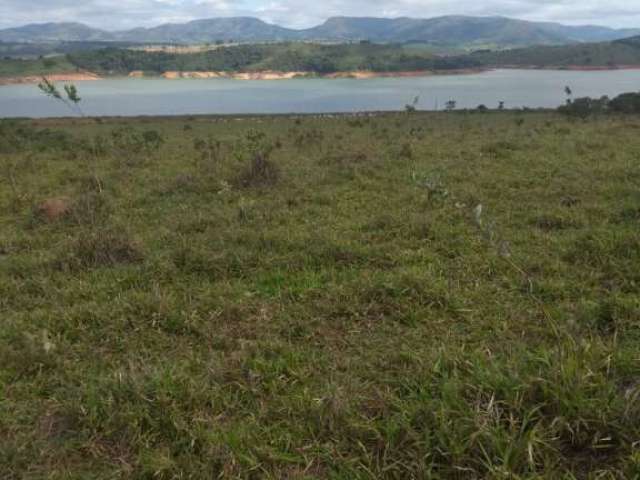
(129, 96)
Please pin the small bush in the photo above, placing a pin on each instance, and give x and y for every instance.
(585, 107)
(499, 149)
(629, 215)
(406, 151)
(307, 138)
(209, 152)
(550, 223)
(341, 157)
(100, 248)
(134, 146)
(260, 171)
(90, 208)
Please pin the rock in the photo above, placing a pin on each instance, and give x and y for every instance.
(53, 209)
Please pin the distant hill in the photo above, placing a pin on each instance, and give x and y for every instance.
(462, 30)
(472, 32)
(239, 29)
(54, 32)
(37, 49)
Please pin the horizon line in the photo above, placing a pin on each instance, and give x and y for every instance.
(272, 23)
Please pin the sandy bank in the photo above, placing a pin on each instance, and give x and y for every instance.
(364, 74)
(58, 77)
(276, 75)
(266, 75)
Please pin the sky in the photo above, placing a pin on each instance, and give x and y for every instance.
(125, 14)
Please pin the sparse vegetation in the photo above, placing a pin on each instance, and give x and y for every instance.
(395, 296)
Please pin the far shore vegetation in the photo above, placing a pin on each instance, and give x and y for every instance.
(322, 59)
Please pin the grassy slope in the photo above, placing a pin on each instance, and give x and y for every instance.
(22, 68)
(349, 321)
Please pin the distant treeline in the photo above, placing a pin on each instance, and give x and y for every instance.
(587, 106)
(300, 57)
(605, 54)
(327, 59)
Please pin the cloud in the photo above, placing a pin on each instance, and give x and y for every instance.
(126, 14)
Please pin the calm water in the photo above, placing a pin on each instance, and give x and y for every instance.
(517, 88)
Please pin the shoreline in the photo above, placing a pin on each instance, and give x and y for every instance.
(263, 75)
(569, 68)
(279, 75)
(55, 77)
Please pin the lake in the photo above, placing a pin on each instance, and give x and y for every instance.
(129, 96)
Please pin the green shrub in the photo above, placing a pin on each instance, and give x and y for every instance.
(585, 107)
(626, 103)
(260, 171)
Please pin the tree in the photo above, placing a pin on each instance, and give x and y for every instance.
(626, 103)
(501, 106)
(569, 93)
(72, 100)
(451, 105)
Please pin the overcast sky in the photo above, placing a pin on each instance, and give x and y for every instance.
(123, 14)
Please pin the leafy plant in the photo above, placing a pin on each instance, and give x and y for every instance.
(209, 151)
(71, 98)
(412, 107)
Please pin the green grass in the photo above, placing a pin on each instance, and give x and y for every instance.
(348, 314)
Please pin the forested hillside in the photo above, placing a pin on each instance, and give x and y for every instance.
(605, 54)
(281, 57)
(324, 59)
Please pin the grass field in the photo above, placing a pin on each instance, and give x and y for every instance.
(429, 296)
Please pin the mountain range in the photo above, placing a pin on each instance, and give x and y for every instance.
(448, 30)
